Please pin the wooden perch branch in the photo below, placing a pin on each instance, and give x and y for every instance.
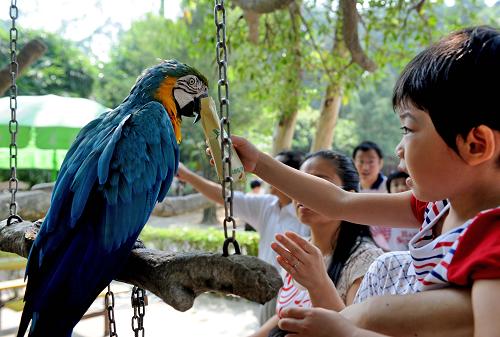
(176, 278)
(351, 38)
(31, 52)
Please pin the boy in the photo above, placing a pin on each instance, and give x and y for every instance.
(447, 104)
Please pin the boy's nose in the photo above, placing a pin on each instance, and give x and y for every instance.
(399, 150)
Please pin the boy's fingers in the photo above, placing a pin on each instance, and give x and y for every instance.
(289, 324)
(297, 313)
(236, 140)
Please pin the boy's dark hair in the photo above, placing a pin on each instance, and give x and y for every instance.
(292, 158)
(255, 183)
(454, 82)
(395, 175)
(367, 145)
(351, 234)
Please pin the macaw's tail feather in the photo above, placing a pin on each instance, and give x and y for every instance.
(25, 321)
(59, 293)
(57, 327)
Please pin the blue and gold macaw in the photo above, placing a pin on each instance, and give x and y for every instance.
(116, 170)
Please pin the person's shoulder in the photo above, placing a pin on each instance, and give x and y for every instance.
(366, 247)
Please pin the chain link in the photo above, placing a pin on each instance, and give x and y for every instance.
(13, 124)
(109, 301)
(223, 92)
(139, 302)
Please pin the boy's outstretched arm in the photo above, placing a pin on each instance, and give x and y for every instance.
(486, 305)
(434, 313)
(324, 197)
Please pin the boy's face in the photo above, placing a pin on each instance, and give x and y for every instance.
(434, 168)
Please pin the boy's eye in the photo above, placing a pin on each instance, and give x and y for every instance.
(404, 130)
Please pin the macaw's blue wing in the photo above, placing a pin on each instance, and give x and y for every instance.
(117, 169)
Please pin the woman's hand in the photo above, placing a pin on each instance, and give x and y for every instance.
(182, 172)
(302, 260)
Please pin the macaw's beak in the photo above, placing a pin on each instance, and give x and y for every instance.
(193, 108)
(197, 107)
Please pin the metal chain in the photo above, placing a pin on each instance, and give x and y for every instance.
(139, 302)
(223, 91)
(13, 124)
(109, 301)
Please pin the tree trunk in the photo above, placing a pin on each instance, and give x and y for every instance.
(332, 100)
(285, 128)
(31, 52)
(162, 8)
(328, 118)
(210, 216)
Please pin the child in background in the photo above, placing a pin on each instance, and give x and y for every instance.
(399, 237)
(396, 182)
(449, 113)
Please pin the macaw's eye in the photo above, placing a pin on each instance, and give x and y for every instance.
(192, 81)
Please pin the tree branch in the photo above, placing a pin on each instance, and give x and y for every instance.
(34, 204)
(351, 38)
(262, 6)
(328, 71)
(252, 19)
(176, 278)
(31, 52)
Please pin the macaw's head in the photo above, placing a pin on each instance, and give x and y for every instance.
(179, 88)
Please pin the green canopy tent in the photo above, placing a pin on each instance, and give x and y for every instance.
(47, 126)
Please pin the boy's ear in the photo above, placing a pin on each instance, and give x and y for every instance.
(478, 146)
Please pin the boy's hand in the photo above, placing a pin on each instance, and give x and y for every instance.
(315, 322)
(248, 153)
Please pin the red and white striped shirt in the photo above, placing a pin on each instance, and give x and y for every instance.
(459, 256)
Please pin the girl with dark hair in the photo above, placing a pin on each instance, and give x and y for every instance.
(327, 270)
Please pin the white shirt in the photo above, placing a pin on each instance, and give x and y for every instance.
(390, 274)
(264, 213)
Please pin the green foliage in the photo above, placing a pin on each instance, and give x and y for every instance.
(30, 176)
(63, 70)
(370, 113)
(194, 239)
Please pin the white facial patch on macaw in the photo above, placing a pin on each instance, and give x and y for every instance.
(187, 88)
